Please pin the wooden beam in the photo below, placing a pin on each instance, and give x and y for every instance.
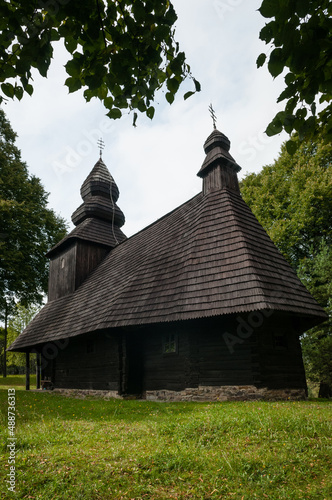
(38, 369)
(27, 371)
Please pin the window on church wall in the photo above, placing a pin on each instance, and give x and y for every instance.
(170, 343)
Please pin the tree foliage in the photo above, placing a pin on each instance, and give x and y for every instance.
(21, 317)
(28, 229)
(300, 34)
(292, 199)
(121, 51)
(316, 274)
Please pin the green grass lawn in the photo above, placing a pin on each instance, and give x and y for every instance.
(95, 449)
(17, 381)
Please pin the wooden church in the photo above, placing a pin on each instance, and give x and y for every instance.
(199, 305)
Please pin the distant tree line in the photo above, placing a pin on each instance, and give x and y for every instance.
(292, 199)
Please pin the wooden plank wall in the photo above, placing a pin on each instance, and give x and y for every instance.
(89, 255)
(69, 268)
(218, 364)
(62, 273)
(203, 357)
(75, 368)
(281, 365)
(165, 371)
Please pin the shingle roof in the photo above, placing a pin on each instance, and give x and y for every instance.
(94, 230)
(98, 219)
(208, 257)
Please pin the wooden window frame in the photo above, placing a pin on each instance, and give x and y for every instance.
(170, 344)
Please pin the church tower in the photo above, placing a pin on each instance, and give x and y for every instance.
(98, 221)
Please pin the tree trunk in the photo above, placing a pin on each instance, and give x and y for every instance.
(5, 343)
(27, 371)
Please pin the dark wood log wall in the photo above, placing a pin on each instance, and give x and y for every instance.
(132, 361)
(89, 255)
(62, 273)
(69, 268)
(87, 362)
(203, 357)
(280, 355)
(269, 357)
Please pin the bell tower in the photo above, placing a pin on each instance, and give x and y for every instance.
(219, 169)
(98, 221)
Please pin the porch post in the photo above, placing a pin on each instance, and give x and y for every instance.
(38, 369)
(27, 371)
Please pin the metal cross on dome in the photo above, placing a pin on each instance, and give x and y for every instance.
(101, 146)
(213, 116)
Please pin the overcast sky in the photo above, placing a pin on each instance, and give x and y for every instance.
(155, 164)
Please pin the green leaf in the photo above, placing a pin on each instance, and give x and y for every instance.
(288, 123)
(114, 113)
(108, 102)
(260, 60)
(8, 89)
(73, 67)
(169, 97)
(268, 8)
(89, 94)
(102, 92)
(29, 89)
(150, 112)
(172, 85)
(18, 92)
(54, 35)
(93, 81)
(197, 85)
(188, 94)
(135, 119)
(71, 44)
(274, 128)
(289, 78)
(73, 84)
(141, 106)
(276, 63)
(291, 147)
(266, 33)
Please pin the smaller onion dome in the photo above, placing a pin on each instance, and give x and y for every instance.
(99, 193)
(219, 169)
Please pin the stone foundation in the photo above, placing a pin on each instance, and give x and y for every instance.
(201, 393)
(226, 393)
(83, 393)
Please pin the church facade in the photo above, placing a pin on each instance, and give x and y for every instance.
(200, 305)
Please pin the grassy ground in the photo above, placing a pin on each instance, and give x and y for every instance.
(16, 381)
(94, 449)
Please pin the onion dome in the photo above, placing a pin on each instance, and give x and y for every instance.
(99, 193)
(219, 169)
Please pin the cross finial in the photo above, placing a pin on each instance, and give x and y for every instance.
(213, 116)
(101, 146)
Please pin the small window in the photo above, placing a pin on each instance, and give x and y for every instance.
(170, 343)
(90, 346)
